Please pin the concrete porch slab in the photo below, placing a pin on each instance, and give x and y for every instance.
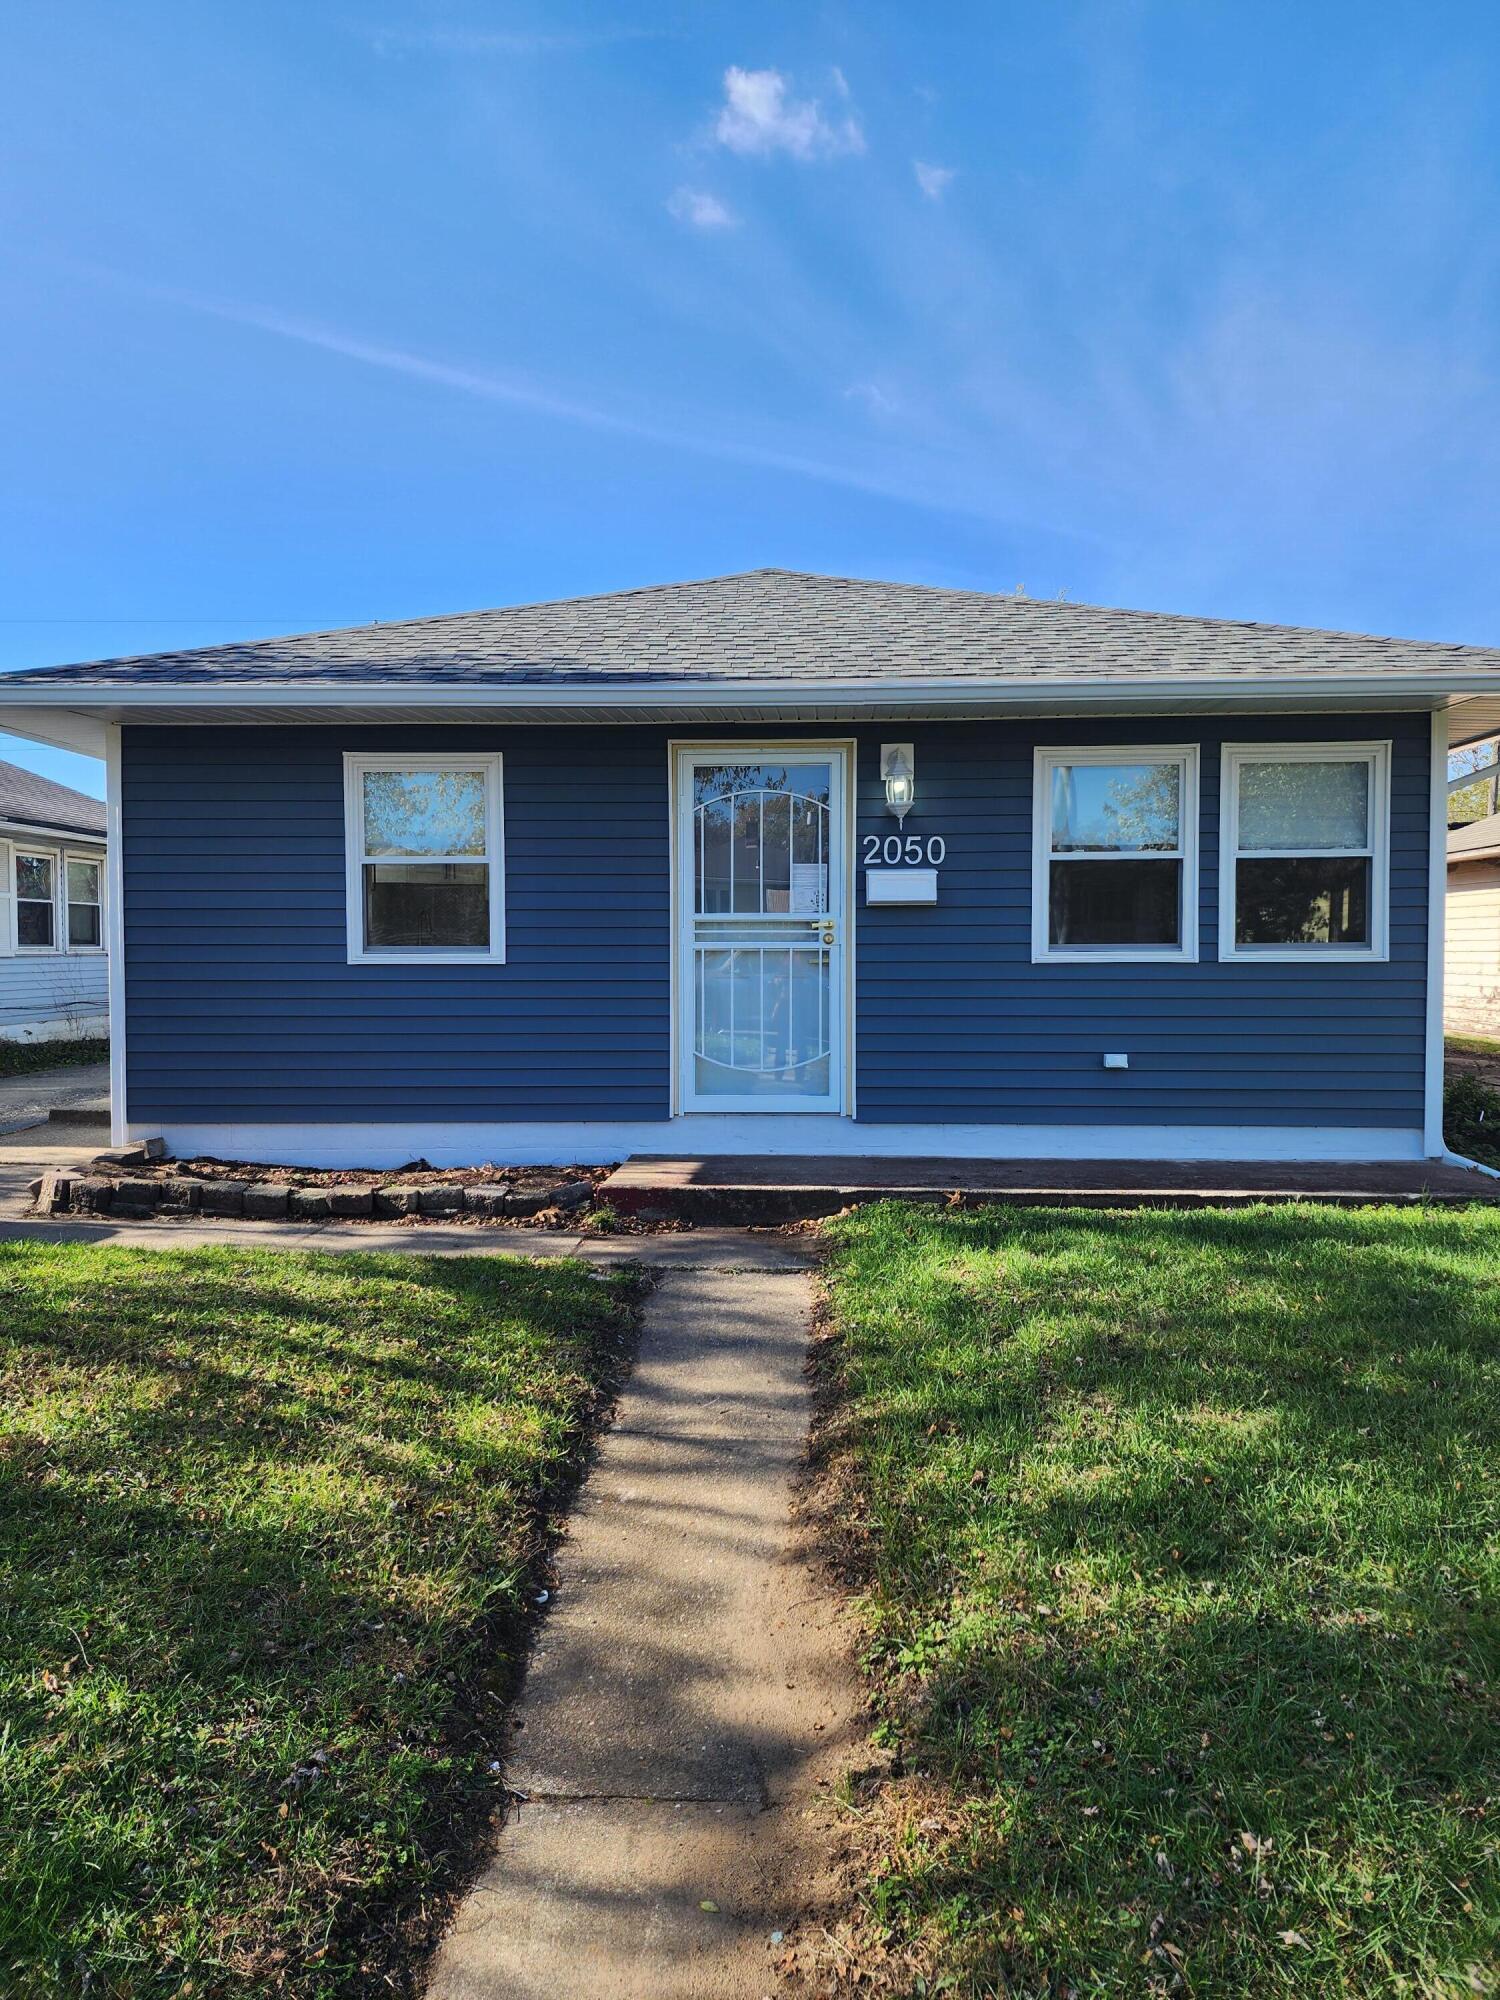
(770, 1188)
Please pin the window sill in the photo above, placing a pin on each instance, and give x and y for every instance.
(1117, 955)
(1303, 954)
(421, 958)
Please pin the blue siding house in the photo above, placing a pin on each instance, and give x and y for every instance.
(781, 863)
(53, 982)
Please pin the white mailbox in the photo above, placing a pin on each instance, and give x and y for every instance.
(901, 885)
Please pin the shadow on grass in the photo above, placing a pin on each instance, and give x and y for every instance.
(1179, 1536)
(269, 1528)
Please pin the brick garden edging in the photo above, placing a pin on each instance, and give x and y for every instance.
(91, 1193)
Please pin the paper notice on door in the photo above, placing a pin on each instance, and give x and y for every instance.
(809, 888)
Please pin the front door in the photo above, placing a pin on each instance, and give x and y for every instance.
(760, 912)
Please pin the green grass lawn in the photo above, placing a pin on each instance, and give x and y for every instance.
(1176, 1537)
(25, 1058)
(269, 1529)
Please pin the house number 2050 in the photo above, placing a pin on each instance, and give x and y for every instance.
(897, 850)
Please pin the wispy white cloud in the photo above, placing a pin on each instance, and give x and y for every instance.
(700, 210)
(760, 116)
(933, 181)
(874, 398)
(497, 41)
(921, 483)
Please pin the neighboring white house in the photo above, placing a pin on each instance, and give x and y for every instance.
(1471, 994)
(53, 965)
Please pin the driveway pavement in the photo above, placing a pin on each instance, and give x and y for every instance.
(26, 1100)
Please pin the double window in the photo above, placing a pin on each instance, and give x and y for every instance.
(1115, 872)
(1304, 830)
(423, 848)
(59, 901)
(1303, 859)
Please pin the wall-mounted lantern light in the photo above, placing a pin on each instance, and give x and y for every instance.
(898, 770)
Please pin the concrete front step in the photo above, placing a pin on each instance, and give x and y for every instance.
(769, 1189)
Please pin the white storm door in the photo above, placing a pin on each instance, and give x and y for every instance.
(761, 923)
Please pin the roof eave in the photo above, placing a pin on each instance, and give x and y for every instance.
(1001, 691)
(38, 829)
(77, 715)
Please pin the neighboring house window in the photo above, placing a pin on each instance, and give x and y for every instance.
(425, 872)
(1115, 852)
(1305, 838)
(36, 902)
(84, 879)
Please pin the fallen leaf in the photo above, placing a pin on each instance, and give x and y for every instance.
(1294, 1937)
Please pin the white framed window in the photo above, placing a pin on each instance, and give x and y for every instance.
(36, 900)
(83, 891)
(1305, 851)
(1115, 854)
(424, 860)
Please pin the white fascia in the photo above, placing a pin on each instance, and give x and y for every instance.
(1417, 690)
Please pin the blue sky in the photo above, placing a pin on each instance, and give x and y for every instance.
(315, 313)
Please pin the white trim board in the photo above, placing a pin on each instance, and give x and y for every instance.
(491, 764)
(114, 931)
(76, 716)
(683, 757)
(1377, 758)
(709, 1134)
(1048, 757)
(1437, 926)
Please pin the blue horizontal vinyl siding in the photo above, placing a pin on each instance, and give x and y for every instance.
(242, 1007)
(955, 1023)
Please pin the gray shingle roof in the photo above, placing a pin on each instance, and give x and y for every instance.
(780, 626)
(1480, 836)
(30, 800)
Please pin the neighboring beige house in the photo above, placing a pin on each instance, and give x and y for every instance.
(54, 975)
(1472, 991)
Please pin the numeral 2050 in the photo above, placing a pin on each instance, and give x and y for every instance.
(911, 851)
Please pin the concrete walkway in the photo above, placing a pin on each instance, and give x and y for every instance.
(691, 1696)
(24, 1100)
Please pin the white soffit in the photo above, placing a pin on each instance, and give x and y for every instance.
(80, 723)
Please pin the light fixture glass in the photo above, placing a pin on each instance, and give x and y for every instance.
(900, 779)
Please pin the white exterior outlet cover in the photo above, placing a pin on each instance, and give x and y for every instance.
(901, 885)
(1117, 1062)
